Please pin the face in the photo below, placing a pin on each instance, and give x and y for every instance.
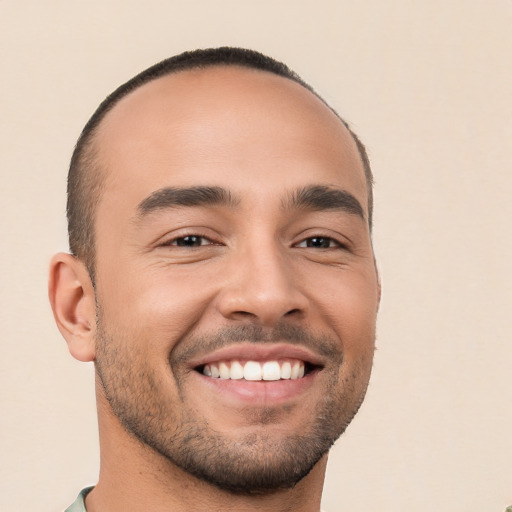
(236, 286)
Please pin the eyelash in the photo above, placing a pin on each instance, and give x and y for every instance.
(175, 242)
(332, 242)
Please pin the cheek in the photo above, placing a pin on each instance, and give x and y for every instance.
(154, 305)
(349, 305)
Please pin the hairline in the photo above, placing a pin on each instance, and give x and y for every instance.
(86, 159)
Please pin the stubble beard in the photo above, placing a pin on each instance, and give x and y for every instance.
(254, 463)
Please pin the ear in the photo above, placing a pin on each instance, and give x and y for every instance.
(73, 303)
(379, 292)
(379, 285)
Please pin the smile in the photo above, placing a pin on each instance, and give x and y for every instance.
(272, 370)
(257, 374)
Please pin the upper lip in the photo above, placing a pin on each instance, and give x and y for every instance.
(259, 352)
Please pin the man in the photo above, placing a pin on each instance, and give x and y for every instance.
(223, 281)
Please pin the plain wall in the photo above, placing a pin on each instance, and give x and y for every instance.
(428, 86)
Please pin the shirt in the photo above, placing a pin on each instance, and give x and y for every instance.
(79, 503)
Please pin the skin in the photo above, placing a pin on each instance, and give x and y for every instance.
(261, 138)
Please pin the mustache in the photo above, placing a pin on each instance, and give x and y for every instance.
(194, 345)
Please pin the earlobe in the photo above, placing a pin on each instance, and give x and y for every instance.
(73, 303)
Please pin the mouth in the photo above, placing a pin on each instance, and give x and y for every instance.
(258, 370)
(258, 374)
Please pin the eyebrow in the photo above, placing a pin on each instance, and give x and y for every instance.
(312, 197)
(321, 197)
(172, 197)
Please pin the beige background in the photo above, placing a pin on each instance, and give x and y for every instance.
(428, 86)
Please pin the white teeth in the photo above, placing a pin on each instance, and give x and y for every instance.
(236, 371)
(271, 370)
(255, 371)
(286, 370)
(224, 371)
(295, 370)
(252, 370)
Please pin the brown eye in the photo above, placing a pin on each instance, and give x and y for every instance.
(190, 241)
(319, 242)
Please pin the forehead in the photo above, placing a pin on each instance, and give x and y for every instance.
(239, 128)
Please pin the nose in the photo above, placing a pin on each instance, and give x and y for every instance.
(262, 287)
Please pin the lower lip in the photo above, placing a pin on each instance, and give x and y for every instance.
(260, 392)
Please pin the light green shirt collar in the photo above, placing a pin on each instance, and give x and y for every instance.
(79, 503)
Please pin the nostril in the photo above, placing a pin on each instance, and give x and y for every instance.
(292, 312)
(244, 314)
